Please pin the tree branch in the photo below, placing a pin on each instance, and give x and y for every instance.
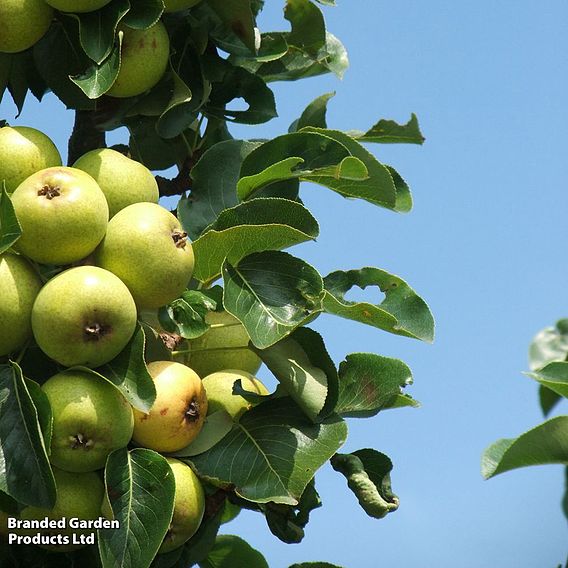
(85, 136)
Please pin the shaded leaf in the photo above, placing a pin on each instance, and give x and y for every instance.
(140, 487)
(390, 132)
(185, 316)
(553, 376)
(305, 370)
(369, 383)
(233, 552)
(308, 26)
(402, 311)
(255, 226)
(179, 113)
(271, 293)
(368, 476)
(237, 18)
(272, 453)
(144, 13)
(314, 114)
(547, 399)
(545, 444)
(43, 409)
(10, 229)
(216, 426)
(25, 473)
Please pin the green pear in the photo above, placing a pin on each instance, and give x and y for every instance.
(20, 285)
(177, 5)
(143, 60)
(123, 181)
(77, 6)
(223, 346)
(219, 391)
(24, 151)
(177, 416)
(23, 23)
(63, 214)
(148, 250)
(91, 419)
(189, 507)
(83, 316)
(79, 496)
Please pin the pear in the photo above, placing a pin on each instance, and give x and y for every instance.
(177, 5)
(148, 250)
(143, 60)
(177, 416)
(77, 6)
(189, 506)
(83, 316)
(79, 495)
(20, 286)
(24, 151)
(23, 23)
(219, 391)
(223, 346)
(63, 214)
(91, 419)
(123, 181)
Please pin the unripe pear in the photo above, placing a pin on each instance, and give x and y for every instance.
(79, 495)
(122, 180)
(177, 5)
(63, 214)
(177, 416)
(19, 286)
(24, 151)
(83, 316)
(77, 6)
(148, 250)
(219, 390)
(189, 506)
(143, 60)
(223, 346)
(23, 23)
(91, 419)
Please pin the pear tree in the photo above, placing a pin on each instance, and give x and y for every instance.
(139, 306)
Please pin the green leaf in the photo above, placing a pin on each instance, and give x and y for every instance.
(403, 203)
(402, 311)
(565, 498)
(144, 13)
(315, 564)
(553, 376)
(272, 453)
(10, 230)
(237, 18)
(214, 185)
(288, 522)
(545, 444)
(99, 78)
(233, 552)
(140, 487)
(271, 293)
(216, 426)
(378, 187)
(390, 132)
(547, 399)
(97, 29)
(368, 476)
(369, 383)
(550, 344)
(185, 316)
(401, 401)
(155, 349)
(299, 154)
(43, 408)
(308, 26)
(179, 113)
(305, 370)
(128, 372)
(314, 114)
(255, 226)
(25, 473)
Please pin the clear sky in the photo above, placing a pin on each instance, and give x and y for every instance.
(485, 245)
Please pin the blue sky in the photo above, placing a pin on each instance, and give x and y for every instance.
(484, 245)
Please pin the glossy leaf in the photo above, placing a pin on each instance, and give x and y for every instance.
(10, 230)
(237, 17)
(368, 476)
(553, 376)
(390, 132)
(308, 26)
(272, 453)
(545, 444)
(402, 311)
(144, 13)
(271, 293)
(185, 316)
(214, 185)
(255, 226)
(305, 370)
(25, 473)
(140, 486)
(369, 383)
(43, 409)
(216, 426)
(233, 552)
